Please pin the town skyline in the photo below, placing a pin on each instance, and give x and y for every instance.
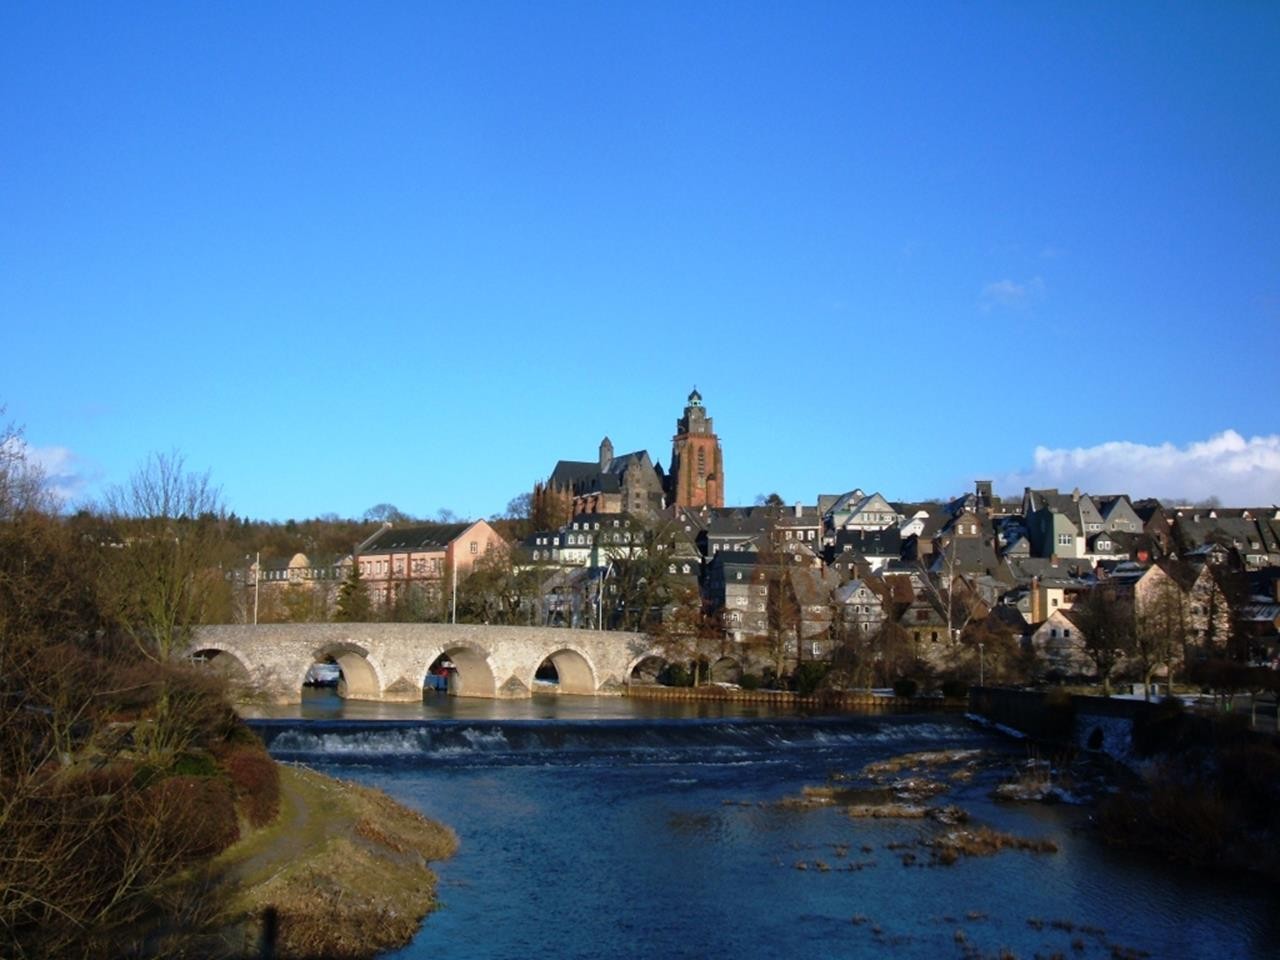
(342, 259)
(1222, 455)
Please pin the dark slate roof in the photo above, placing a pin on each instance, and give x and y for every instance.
(735, 558)
(1183, 574)
(872, 543)
(620, 465)
(738, 522)
(967, 555)
(1024, 568)
(569, 472)
(434, 536)
(1009, 615)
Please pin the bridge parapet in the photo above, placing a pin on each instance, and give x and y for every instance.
(389, 661)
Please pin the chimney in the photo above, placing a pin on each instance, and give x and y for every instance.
(799, 510)
(1075, 495)
(1037, 602)
(606, 452)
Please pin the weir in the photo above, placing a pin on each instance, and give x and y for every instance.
(389, 661)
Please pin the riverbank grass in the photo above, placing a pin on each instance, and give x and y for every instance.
(342, 872)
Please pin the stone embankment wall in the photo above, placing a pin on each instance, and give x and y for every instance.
(853, 701)
(1102, 724)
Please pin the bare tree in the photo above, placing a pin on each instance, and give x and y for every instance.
(23, 489)
(1106, 627)
(1161, 630)
(167, 526)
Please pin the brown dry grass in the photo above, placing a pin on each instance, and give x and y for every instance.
(916, 761)
(881, 811)
(982, 842)
(344, 868)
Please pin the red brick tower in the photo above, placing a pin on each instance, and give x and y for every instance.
(697, 465)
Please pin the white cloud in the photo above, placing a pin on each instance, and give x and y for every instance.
(1010, 293)
(1237, 471)
(63, 471)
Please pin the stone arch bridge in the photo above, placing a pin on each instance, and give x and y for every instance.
(389, 661)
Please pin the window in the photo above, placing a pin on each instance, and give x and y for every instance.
(1066, 632)
(685, 568)
(475, 547)
(671, 568)
(1064, 539)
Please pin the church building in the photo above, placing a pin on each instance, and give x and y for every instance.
(696, 478)
(632, 483)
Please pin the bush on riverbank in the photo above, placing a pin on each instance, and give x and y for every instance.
(1211, 794)
(256, 780)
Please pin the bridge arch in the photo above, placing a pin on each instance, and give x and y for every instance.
(726, 670)
(361, 675)
(472, 674)
(646, 667)
(575, 672)
(226, 663)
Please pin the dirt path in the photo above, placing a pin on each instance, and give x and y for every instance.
(343, 867)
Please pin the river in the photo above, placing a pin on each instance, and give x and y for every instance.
(607, 827)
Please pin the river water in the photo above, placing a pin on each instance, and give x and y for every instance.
(606, 827)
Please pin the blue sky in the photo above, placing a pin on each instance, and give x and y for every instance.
(346, 254)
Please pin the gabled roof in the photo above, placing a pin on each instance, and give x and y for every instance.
(966, 555)
(1183, 574)
(1009, 615)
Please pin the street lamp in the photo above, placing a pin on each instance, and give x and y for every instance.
(600, 597)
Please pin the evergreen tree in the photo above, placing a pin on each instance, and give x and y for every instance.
(354, 605)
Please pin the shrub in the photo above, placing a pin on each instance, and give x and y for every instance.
(954, 689)
(808, 676)
(1164, 728)
(749, 681)
(195, 765)
(256, 780)
(905, 687)
(1252, 774)
(193, 817)
(678, 675)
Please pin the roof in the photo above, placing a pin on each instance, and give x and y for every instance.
(433, 536)
(1065, 571)
(569, 472)
(878, 543)
(1183, 574)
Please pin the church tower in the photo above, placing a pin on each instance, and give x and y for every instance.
(696, 476)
